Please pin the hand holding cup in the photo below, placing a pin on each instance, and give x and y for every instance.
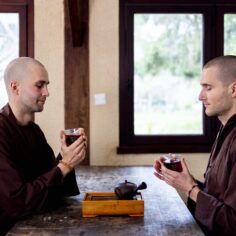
(73, 148)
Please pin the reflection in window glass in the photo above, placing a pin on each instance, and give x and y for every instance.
(9, 46)
(167, 67)
(229, 34)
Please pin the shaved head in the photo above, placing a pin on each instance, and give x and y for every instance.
(18, 69)
(26, 81)
(226, 66)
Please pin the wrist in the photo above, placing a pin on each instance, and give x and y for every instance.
(64, 167)
(68, 166)
(193, 192)
(191, 189)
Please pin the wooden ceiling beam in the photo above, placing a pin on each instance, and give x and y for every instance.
(77, 14)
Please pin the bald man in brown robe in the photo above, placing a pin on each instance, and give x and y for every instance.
(213, 202)
(32, 180)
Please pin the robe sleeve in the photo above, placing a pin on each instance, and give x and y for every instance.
(19, 197)
(219, 215)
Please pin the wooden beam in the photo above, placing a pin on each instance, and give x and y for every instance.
(77, 75)
(76, 15)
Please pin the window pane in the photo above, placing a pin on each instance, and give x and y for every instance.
(229, 34)
(9, 46)
(167, 66)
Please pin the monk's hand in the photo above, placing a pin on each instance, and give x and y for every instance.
(75, 153)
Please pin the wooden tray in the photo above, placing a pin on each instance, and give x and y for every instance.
(106, 203)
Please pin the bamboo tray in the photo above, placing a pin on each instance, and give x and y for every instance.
(106, 203)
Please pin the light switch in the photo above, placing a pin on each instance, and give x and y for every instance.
(100, 98)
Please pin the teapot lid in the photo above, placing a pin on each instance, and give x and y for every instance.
(127, 183)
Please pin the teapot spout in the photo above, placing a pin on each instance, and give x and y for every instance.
(143, 185)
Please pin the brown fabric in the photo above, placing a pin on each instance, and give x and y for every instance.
(215, 209)
(30, 181)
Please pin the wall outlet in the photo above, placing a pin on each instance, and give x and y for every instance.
(100, 99)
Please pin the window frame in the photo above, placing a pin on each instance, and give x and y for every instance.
(25, 8)
(213, 14)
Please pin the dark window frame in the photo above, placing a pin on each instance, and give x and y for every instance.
(25, 8)
(213, 12)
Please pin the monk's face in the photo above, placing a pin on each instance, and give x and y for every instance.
(216, 95)
(33, 89)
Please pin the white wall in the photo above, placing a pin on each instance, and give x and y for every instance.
(49, 49)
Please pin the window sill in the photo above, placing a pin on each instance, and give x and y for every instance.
(170, 148)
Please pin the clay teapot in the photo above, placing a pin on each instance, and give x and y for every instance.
(128, 190)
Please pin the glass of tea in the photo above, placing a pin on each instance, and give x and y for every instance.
(71, 135)
(172, 162)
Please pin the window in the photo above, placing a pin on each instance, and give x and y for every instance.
(16, 35)
(229, 34)
(167, 65)
(163, 46)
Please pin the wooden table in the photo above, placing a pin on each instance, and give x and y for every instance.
(165, 213)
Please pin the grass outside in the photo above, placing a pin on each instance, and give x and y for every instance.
(172, 123)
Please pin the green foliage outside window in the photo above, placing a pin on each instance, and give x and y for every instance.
(175, 44)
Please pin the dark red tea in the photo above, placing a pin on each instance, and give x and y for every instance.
(71, 138)
(173, 164)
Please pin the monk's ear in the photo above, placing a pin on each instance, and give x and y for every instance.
(14, 87)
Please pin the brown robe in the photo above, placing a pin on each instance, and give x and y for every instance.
(215, 209)
(30, 181)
